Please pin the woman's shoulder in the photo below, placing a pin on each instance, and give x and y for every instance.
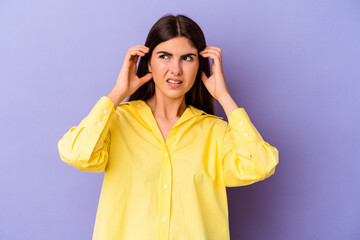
(129, 108)
(126, 105)
(208, 118)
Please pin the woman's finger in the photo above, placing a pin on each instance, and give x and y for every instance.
(203, 76)
(146, 78)
(138, 52)
(145, 49)
(138, 47)
(211, 51)
(213, 48)
(130, 55)
(214, 57)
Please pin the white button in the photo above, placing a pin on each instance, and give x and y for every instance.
(100, 123)
(105, 111)
(245, 135)
(164, 219)
(166, 154)
(240, 123)
(165, 186)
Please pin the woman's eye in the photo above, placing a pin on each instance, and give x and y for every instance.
(163, 57)
(190, 58)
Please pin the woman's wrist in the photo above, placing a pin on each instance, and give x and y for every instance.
(228, 104)
(116, 97)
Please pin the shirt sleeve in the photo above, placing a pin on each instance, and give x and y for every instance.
(246, 157)
(86, 146)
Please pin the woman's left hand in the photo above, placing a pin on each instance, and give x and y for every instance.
(215, 84)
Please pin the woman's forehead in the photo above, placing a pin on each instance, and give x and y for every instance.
(177, 45)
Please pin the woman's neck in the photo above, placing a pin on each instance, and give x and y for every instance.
(167, 108)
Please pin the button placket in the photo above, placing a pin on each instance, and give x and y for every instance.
(166, 155)
(165, 194)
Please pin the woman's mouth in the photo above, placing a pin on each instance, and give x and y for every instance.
(174, 83)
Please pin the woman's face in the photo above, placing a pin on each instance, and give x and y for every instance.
(174, 59)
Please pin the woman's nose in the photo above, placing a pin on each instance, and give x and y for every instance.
(175, 67)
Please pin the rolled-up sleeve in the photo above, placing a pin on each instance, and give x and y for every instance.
(246, 157)
(86, 146)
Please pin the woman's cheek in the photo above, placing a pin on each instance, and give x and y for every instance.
(163, 67)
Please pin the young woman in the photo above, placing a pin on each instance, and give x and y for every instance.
(167, 158)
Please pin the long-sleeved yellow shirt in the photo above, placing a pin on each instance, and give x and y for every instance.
(157, 190)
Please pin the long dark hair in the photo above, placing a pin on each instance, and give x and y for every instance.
(166, 28)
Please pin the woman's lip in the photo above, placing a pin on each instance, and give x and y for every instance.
(174, 85)
(174, 79)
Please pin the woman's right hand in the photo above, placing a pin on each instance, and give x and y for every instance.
(128, 82)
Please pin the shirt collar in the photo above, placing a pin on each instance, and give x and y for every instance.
(145, 112)
(189, 112)
(141, 110)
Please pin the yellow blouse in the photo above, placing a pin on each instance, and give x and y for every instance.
(157, 190)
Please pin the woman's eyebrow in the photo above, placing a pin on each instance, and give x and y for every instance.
(170, 54)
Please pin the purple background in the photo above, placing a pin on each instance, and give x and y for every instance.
(293, 65)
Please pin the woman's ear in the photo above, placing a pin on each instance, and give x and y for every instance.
(149, 66)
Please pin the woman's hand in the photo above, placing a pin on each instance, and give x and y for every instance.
(128, 82)
(215, 84)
